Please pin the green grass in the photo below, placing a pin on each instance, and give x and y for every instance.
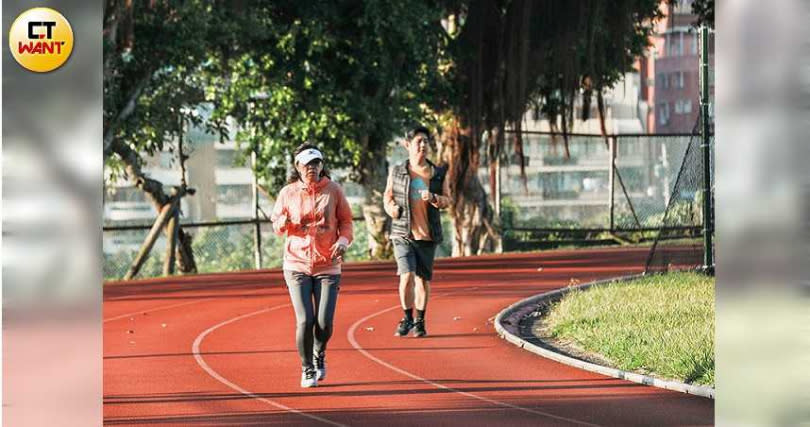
(662, 325)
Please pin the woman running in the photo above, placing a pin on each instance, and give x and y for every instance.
(314, 213)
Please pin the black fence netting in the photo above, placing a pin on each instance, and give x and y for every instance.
(672, 247)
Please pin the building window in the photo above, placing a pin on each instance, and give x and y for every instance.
(126, 194)
(682, 7)
(663, 113)
(677, 79)
(662, 81)
(675, 43)
(234, 194)
(166, 160)
(228, 158)
(683, 106)
(675, 46)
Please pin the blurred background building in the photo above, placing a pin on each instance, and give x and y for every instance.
(670, 80)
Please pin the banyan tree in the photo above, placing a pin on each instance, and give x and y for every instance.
(510, 54)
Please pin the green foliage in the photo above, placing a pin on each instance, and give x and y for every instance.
(345, 75)
(218, 249)
(358, 251)
(445, 248)
(511, 218)
(658, 324)
(349, 75)
(116, 265)
(159, 70)
(682, 212)
(510, 213)
(704, 9)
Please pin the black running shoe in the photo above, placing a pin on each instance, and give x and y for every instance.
(405, 326)
(419, 328)
(319, 360)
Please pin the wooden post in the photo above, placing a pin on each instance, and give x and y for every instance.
(160, 222)
(172, 231)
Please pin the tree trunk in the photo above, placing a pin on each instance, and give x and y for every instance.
(155, 194)
(471, 213)
(373, 175)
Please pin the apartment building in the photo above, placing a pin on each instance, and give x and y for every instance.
(670, 84)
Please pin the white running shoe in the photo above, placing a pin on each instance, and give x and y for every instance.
(319, 360)
(309, 378)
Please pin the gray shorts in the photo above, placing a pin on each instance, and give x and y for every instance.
(414, 256)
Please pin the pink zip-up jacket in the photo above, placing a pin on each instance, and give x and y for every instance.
(319, 216)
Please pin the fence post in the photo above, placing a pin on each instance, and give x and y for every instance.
(611, 182)
(257, 232)
(499, 218)
(704, 113)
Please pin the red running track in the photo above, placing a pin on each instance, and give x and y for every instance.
(219, 350)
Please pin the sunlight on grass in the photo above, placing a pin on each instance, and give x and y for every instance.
(661, 324)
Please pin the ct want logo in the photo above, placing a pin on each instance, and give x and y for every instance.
(41, 39)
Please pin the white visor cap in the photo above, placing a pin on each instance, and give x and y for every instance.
(308, 155)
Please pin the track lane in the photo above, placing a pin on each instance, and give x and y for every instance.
(462, 353)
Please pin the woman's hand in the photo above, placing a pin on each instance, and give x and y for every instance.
(338, 249)
(281, 224)
(303, 226)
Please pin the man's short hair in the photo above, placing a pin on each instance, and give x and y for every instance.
(416, 130)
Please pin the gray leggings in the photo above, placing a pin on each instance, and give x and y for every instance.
(313, 321)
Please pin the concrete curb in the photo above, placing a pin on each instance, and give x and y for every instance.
(507, 325)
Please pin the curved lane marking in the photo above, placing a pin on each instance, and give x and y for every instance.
(358, 347)
(195, 350)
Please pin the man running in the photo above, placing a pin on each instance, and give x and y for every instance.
(415, 192)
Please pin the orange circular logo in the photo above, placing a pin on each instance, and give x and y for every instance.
(41, 39)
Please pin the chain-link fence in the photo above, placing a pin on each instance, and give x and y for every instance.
(685, 205)
(575, 195)
(564, 189)
(567, 198)
(646, 168)
(220, 247)
(217, 248)
(575, 190)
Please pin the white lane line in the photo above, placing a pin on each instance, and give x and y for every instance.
(195, 350)
(358, 347)
(149, 310)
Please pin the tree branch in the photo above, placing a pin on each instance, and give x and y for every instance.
(131, 159)
(127, 111)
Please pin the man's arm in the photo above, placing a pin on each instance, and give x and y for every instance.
(444, 200)
(389, 204)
